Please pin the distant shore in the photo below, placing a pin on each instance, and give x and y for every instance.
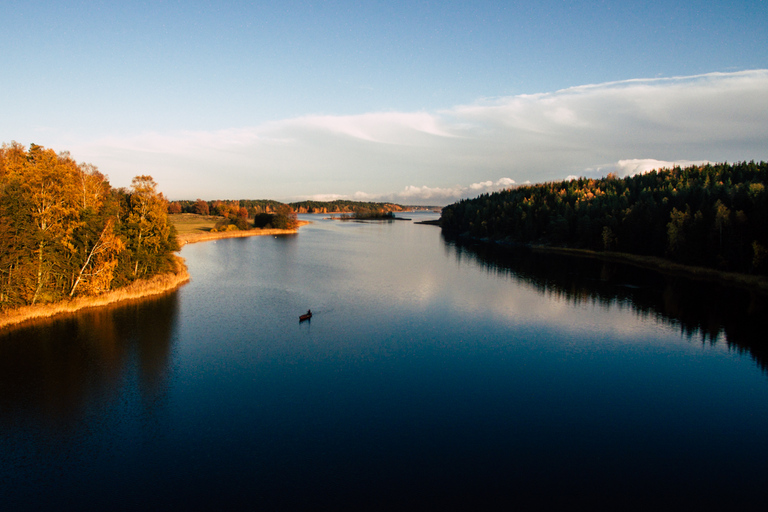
(144, 288)
(206, 236)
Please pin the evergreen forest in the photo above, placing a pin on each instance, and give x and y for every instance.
(714, 215)
(65, 232)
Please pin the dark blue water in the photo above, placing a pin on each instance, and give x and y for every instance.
(429, 375)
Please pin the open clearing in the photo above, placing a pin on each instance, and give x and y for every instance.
(191, 228)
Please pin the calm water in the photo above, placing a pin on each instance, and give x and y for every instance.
(429, 375)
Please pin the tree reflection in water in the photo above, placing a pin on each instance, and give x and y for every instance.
(56, 370)
(705, 310)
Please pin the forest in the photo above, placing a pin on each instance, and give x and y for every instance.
(714, 215)
(221, 208)
(65, 232)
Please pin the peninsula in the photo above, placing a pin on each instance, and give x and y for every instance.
(69, 241)
(191, 228)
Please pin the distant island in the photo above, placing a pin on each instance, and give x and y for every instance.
(705, 217)
(371, 215)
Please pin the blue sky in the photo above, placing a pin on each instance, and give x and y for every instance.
(418, 102)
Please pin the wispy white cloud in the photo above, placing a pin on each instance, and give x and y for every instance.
(623, 127)
(412, 194)
(442, 195)
(630, 167)
(640, 166)
(381, 127)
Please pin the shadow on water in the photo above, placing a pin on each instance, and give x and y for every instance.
(704, 310)
(53, 372)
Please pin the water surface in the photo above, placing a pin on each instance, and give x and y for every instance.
(430, 374)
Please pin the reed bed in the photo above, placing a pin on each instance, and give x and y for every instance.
(143, 288)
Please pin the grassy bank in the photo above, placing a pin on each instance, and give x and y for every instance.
(191, 228)
(157, 285)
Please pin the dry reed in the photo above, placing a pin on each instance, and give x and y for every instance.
(156, 285)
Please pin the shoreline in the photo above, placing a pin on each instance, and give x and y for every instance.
(144, 288)
(757, 284)
(207, 236)
(141, 289)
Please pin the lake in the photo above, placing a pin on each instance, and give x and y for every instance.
(430, 374)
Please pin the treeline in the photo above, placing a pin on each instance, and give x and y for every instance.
(255, 207)
(359, 208)
(252, 207)
(64, 231)
(240, 214)
(712, 215)
(249, 213)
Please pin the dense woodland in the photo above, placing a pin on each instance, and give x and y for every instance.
(712, 215)
(64, 231)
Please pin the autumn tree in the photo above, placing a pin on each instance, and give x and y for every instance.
(64, 231)
(283, 218)
(150, 238)
(98, 244)
(50, 199)
(201, 207)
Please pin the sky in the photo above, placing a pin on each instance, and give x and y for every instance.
(418, 102)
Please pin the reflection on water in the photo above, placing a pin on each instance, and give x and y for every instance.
(54, 372)
(525, 381)
(704, 310)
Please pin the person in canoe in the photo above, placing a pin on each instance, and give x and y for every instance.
(306, 316)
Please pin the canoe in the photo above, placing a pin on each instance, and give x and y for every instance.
(305, 317)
